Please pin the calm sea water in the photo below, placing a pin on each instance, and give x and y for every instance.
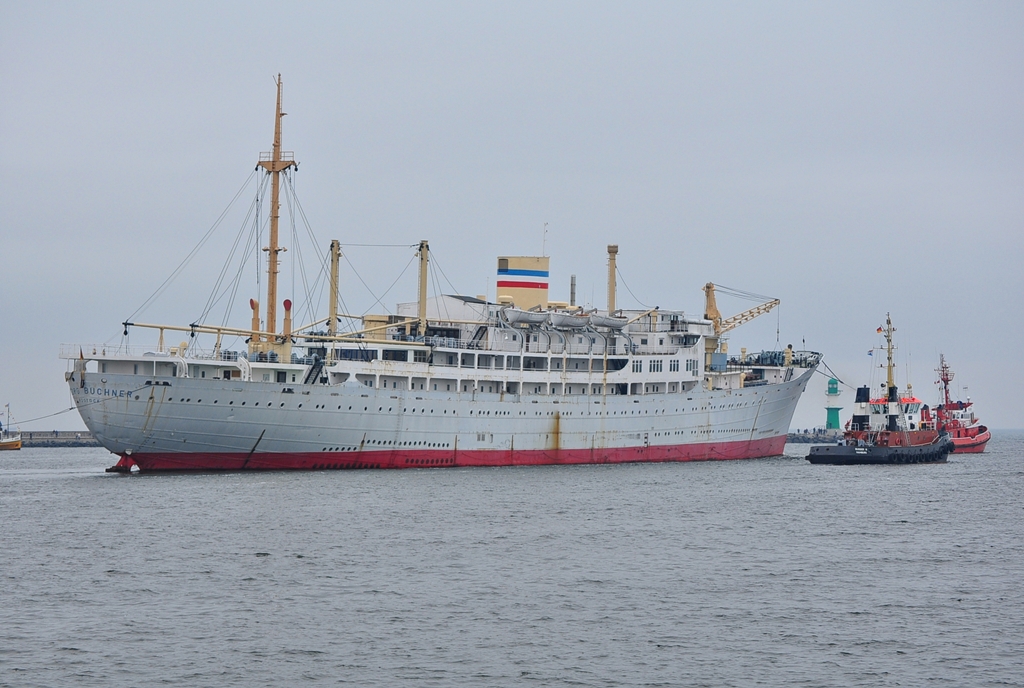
(770, 572)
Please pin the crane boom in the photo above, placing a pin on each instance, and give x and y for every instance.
(723, 325)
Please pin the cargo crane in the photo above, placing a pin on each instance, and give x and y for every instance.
(723, 325)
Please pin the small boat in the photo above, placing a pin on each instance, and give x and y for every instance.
(8, 440)
(609, 321)
(569, 321)
(957, 417)
(517, 316)
(891, 429)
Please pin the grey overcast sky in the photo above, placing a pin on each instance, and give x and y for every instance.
(851, 159)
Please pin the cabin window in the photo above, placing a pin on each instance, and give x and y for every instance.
(136, 369)
(103, 367)
(282, 376)
(673, 365)
(202, 373)
(638, 366)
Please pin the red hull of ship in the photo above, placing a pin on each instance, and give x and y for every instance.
(393, 458)
(967, 443)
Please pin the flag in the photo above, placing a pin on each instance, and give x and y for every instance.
(879, 330)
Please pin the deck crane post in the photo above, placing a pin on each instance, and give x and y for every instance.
(723, 325)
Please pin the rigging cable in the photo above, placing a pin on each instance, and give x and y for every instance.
(215, 297)
(741, 294)
(193, 252)
(381, 297)
(834, 376)
(254, 238)
(623, 280)
(454, 288)
(437, 293)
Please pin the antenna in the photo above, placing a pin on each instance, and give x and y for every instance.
(544, 241)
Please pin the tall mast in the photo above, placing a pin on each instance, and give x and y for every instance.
(891, 381)
(889, 329)
(945, 376)
(274, 163)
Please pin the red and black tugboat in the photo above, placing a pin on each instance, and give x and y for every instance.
(957, 417)
(891, 429)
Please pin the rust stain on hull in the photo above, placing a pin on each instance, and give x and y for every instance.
(556, 432)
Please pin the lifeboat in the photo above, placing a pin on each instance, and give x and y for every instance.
(568, 321)
(517, 316)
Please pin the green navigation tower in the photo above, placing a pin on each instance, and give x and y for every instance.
(832, 404)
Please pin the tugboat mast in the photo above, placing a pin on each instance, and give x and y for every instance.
(889, 329)
(274, 163)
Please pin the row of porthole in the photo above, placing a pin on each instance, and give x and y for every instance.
(497, 413)
(430, 462)
(334, 449)
(335, 466)
(230, 403)
(393, 443)
(692, 432)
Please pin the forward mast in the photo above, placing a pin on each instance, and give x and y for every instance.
(274, 162)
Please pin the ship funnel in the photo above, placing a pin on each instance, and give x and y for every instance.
(524, 280)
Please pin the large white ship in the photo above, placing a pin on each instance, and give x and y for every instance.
(443, 382)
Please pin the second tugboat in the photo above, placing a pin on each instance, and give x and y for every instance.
(893, 429)
(957, 417)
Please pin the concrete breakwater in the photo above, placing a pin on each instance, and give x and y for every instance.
(815, 436)
(58, 438)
